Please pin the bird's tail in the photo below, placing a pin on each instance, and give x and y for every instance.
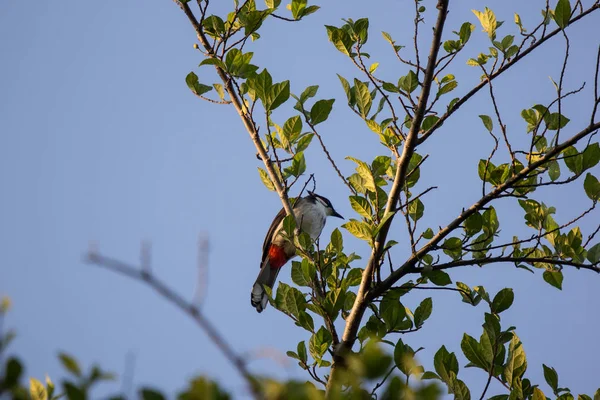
(266, 277)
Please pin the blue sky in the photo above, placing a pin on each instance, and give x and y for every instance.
(102, 142)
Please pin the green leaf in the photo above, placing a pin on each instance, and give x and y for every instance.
(310, 10)
(298, 276)
(336, 240)
(365, 173)
(320, 111)
(363, 98)
(447, 88)
(292, 128)
(592, 187)
(502, 301)
(516, 363)
(423, 312)
(319, 343)
(298, 165)
(428, 234)
(465, 32)
(12, 373)
(361, 206)
(409, 83)
(392, 311)
(555, 121)
(360, 229)
(73, 392)
(70, 364)
(347, 90)
(553, 170)
(264, 177)
(340, 39)
(272, 3)
(214, 26)
(453, 247)
(591, 156)
(213, 61)
(472, 350)
(562, 13)
(195, 86)
(151, 394)
(573, 160)
(301, 349)
(551, 377)
(298, 7)
(487, 122)
(593, 254)
(473, 224)
(416, 209)
(353, 278)
(439, 278)
(554, 278)
(279, 94)
(37, 391)
(446, 364)
(309, 92)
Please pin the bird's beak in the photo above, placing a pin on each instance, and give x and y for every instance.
(335, 214)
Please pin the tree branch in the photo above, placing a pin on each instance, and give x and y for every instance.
(408, 266)
(144, 276)
(240, 108)
(506, 66)
(360, 304)
(503, 259)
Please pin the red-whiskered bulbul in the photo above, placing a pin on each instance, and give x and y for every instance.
(311, 212)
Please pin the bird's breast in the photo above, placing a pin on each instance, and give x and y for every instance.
(312, 221)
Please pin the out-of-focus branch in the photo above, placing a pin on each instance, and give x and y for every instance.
(145, 276)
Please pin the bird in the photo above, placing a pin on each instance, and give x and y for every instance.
(311, 212)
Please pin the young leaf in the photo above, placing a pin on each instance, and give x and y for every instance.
(37, 391)
(359, 229)
(264, 177)
(361, 206)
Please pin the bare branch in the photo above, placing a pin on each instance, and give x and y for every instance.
(503, 259)
(138, 274)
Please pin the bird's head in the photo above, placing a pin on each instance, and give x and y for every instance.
(329, 210)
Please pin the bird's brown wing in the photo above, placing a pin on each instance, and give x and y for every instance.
(267, 244)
